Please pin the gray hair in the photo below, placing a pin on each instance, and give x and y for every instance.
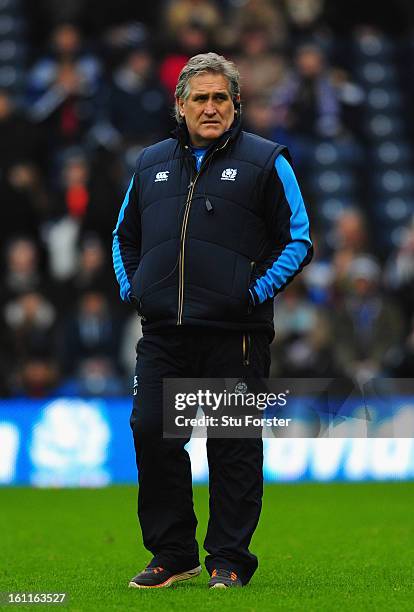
(206, 62)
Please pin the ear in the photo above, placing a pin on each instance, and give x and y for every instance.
(180, 103)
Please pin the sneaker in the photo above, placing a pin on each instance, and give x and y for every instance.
(223, 579)
(158, 577)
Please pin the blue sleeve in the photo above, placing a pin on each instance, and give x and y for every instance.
(288, 225)
(126, 245)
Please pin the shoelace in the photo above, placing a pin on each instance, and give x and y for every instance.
(154, 570)
(223, 573)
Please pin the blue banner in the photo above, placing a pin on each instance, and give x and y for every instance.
(67, 442)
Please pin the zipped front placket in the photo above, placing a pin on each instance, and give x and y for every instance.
(183, 235)
(182, 245)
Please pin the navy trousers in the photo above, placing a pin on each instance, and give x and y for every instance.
(165, 500)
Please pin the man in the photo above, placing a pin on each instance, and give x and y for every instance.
(212, 227)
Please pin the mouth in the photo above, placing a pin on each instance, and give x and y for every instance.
(211, 123)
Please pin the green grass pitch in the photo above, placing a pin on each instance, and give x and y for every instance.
(321, 547)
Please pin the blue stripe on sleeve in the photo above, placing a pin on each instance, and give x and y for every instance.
(121, 275)
(293, 255)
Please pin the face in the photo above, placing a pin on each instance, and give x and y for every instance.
(66, 38)
(209, 109)
(5, 106)
(309, 62)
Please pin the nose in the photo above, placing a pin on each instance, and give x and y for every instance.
(209, 108)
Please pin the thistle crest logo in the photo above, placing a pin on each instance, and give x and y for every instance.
(240, 388)
(229, 174)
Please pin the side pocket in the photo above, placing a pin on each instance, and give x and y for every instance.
(246, 349)
(250, 305)
(138, 307)
(139, 311)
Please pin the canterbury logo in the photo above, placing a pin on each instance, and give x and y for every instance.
(161, 176)
(229, 174)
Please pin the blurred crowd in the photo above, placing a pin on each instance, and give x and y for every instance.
(97, 86)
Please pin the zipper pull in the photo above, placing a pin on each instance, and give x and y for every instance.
(246, 348)
(209, 205)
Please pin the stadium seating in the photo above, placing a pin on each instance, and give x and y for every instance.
(12, 48)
